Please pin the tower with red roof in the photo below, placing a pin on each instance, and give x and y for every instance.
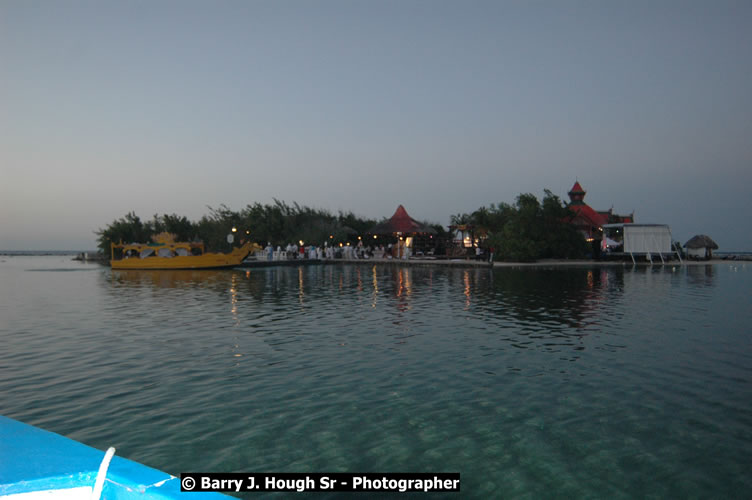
(588, 221)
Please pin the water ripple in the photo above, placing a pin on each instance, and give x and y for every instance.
(569, 382)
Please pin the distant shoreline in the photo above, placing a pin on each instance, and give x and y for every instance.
(38, 253)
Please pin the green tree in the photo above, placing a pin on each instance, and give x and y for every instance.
(528, 230)
(560, 238)
(461, 219)
(519, 239)
(179, 225)
(127, 229)
(277, 223)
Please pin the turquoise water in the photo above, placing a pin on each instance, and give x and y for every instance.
(532, 383)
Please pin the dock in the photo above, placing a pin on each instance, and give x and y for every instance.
(392, 262)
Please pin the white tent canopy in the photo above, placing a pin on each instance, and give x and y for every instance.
(645, 239)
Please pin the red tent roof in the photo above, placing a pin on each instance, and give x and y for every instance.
(401, 222)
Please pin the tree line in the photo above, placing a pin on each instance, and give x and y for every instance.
(277, 223)
(527, 230)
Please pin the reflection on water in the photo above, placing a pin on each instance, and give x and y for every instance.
(176, 278)
(576, 382)
(548, 309)
(375, 283)
(701, 275)
(561, 312)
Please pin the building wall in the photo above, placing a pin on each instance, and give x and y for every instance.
(697, 253)
(647, 239)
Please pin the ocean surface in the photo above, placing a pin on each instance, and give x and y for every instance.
(606, 382)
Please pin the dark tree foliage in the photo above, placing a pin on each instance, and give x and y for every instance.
(528, 230)
(461, 219)
(277, 223)
(126, 229)
(178, 225)
(560, 238)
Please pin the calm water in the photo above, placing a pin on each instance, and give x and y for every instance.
(600, 383)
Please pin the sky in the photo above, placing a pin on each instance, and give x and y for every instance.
(167, 106)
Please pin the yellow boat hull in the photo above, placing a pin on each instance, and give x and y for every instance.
(205, 261)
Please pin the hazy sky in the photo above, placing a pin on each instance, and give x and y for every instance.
(169, 106)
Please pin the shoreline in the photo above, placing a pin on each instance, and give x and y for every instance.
(463, 263)
(414, 262)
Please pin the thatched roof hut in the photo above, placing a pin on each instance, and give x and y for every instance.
(701, 241)
(700, 247)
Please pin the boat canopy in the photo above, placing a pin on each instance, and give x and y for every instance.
(187, 247)
(166, 250)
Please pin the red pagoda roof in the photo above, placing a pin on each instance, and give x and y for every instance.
(589, 215)
(577, 188)
(584, 215)
(401, 222)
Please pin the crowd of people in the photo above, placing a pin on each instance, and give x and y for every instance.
(341, 251)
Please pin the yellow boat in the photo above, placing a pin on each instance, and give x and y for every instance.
(175, 255)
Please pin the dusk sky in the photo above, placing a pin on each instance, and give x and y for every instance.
(442, 106)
